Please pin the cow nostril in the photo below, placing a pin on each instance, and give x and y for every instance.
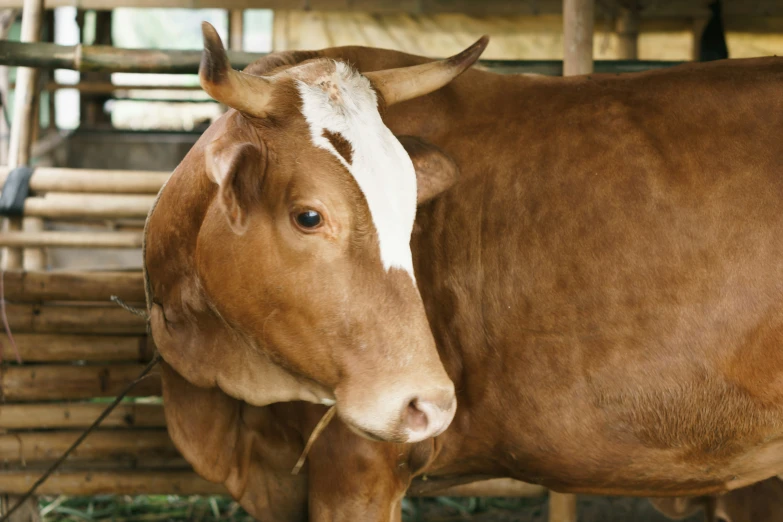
(417, 419)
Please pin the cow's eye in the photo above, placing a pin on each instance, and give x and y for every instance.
(308, 219)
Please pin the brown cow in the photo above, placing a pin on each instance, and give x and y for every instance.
(598, 258)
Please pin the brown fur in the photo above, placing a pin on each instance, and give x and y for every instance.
(603, 284)
(340, 144)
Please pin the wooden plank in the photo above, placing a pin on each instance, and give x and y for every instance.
(38, 286)
(562, 507)
(658, 9)
(88, 206)
(126, 482)
(79, 415)
(51, 179)
(627, 28)
(578, 21)
(89, 348)
(68, 239)
(236, 29)
(187, 62)
(153, 482)
(66, 382)
(106, 445)
(90, 319)
(22, 122)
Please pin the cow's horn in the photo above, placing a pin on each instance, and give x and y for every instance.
(241, 91)
(397, 85)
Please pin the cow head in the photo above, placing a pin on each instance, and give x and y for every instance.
(292, 278)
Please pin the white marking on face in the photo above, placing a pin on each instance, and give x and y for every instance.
(343, 101)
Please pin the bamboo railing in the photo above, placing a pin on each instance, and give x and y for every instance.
(98, 58)
(76, 346)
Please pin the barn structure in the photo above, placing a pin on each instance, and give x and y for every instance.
(75, 201)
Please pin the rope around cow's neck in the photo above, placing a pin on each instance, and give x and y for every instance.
(320, 427)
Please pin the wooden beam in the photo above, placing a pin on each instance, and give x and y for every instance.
(79, 415)
(54, 347)
(562, 507)
(236, 29)
(658, 9)
(39, 286)
(120, 239)
(88, 206)
(52, 179)
(81, 319)
(77, 57)
(22, 124)
(578, 30)
(154, 482)
(106, 445)
(58, 382)
(627, 28)
(578, 22)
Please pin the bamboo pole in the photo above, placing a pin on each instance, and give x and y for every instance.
(578, 22)
(627, 29)
(236, 29)
(155, 482)
(655, 10)
(28, 447)
(103, 58)
(85, 483)
(7, 18)
(88, 206)
(72, 239)
(562, 507)
(79, 415)
(74, 286)
(67, 382)
(20, 140)
(26, 318)
(50, 179)
(36, 348)
(108, 88)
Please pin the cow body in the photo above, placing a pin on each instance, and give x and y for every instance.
(604, 285)
(605, 281)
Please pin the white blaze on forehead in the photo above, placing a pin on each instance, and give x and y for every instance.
(342, 101)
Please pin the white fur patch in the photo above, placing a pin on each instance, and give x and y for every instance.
(342, 101)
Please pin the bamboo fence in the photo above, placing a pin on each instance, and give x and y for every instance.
(98, 58)
(77, 348)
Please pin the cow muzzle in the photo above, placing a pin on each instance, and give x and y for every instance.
(428, 414)
(401, 417)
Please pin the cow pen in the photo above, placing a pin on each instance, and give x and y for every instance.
(77, 349)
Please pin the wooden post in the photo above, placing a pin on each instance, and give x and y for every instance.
(50, 73)
(92, 113)
(562, 507)
(20, 142)
(698, 29)
(628, 32)
(578, 22)
(236, 29)
(7, 18)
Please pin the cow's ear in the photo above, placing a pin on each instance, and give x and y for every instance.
(245, 448)
(436, 171)
(238, 169)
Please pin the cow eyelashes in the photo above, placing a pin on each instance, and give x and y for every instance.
(308, 220)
